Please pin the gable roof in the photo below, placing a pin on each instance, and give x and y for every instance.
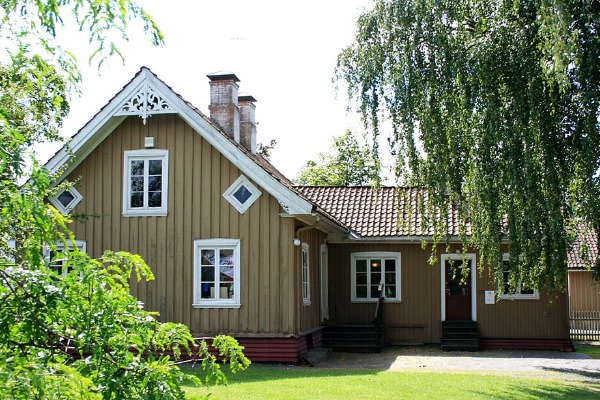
(146, 95)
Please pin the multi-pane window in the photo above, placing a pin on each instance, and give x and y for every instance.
(217, 273)
(520, 291)
(375, 274)
(145, 182)
(305, 275)
(57, 259)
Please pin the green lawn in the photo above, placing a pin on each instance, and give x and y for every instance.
(589, 349)
(293, 382)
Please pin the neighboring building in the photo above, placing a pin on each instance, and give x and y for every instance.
(237, 249)
(583, 289)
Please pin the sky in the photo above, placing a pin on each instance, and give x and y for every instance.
(283, 52)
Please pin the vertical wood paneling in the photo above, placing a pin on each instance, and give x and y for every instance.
(272, 266)
(421, 299)
(264, 293)
(198, 175)
(115, 188)
(584, 291)
(252, 219)
(310, 315)
(196, 229)
(185, 294)
(287, 276)
(175, 132)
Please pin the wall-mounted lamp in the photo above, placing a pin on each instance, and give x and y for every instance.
(297, 242)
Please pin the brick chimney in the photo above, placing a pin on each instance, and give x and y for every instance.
(247, 121)
(224, 102)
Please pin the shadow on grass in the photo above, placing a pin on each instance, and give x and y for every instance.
(573, 371)
(547, 391)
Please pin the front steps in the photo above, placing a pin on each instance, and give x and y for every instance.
(460, 336)
(358, 338)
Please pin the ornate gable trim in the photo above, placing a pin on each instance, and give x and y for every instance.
(121, 106)
(145, 102)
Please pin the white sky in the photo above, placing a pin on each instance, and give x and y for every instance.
(283, 52)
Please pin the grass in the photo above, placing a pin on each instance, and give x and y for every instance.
(293, 382)
(591, 349)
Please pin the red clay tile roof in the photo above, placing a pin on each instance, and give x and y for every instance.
(367, 211)
(375, 213)
(583, 247)
(371, 212)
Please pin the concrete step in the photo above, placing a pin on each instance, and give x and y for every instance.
(317, 356)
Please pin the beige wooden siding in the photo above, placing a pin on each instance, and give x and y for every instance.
(417, 317)
(584, 291)
(546, 317)
(198, 176)
(310, 315)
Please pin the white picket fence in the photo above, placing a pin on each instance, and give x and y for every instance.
(585, 325)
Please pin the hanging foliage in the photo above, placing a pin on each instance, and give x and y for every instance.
(493, 107)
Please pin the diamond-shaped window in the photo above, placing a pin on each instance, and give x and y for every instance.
(242, 194)
(66, 200)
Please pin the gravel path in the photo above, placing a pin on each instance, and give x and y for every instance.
(530, 363)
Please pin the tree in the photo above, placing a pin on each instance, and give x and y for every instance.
(265, 150)
(350, 165)
(495, 108)
(69, 327)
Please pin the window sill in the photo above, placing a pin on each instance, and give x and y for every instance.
(145, 213)
(216, 304)
(306, 303)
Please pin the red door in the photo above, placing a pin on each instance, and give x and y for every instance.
(458, 290)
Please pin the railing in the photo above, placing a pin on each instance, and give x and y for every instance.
(584, 325)
(378, 320)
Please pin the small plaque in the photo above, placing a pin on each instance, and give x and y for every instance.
(490, 297)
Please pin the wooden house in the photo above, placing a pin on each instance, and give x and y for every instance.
(237, 249)
(583, 288)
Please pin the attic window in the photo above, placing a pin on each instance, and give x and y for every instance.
(242, 194)
(66, 200)
(145, 183)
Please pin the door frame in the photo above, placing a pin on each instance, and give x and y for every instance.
(458, 256)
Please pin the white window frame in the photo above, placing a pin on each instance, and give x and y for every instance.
(517, 295)
(369, 255)
(235, 186)
(145, 155)
(77, 197)
(305, 272)
(217, 244)
(60, 246)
